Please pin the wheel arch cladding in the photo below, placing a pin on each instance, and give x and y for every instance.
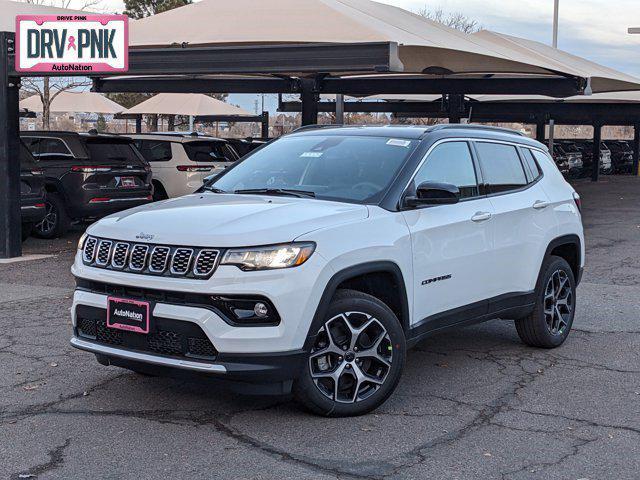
(569, 248)
(383, 280)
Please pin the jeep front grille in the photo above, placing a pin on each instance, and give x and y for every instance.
(163, 260)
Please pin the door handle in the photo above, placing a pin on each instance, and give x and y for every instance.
(540, 204)
(481, 217)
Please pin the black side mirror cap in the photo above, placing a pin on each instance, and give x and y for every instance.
(433, 193)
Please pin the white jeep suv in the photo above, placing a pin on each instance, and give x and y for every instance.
(314, 263)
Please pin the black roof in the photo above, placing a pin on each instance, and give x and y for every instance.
(421, 131)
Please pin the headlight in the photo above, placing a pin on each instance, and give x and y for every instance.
(83, 239)
(267, 258)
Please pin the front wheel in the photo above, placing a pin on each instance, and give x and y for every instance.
(550, 322)
(356, 359)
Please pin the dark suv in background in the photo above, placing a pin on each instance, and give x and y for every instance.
(32, 192)
(87, 176)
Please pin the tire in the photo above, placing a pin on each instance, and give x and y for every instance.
(375, 353)
(56, 221)
(26, 231)
(159, 192)
(550, 322)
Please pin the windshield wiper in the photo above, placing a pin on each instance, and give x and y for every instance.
(278, 191)
(214, 189)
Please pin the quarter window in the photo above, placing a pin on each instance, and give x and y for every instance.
(531, 164)
(501, 167)
(450, 162)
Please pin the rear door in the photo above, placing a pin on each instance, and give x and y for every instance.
(159, 154)
(451, 244)
(522, 216)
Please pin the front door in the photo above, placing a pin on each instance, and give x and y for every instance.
(451, 243)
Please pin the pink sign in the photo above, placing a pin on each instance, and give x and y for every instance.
(72, 44)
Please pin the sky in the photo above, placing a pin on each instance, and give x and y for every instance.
(594, 29)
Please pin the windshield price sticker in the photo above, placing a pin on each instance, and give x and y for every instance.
(397, 142)
(72, 43)
(311, 154)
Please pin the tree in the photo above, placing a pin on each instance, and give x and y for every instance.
(144, 8)
(48, 89)
(101, 124)
(456, 20)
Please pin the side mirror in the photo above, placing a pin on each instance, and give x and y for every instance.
(434, 193)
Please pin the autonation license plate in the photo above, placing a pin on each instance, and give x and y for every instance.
(128, 182)
(125, 314)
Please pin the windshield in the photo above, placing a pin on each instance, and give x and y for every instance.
(345, 168)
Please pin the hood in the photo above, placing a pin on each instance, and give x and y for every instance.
(219, 220)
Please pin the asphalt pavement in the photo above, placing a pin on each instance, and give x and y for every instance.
(472, 404)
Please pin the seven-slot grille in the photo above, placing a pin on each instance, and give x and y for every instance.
(149, 259)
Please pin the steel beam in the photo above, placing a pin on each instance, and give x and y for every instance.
(258, 59)
(10, 221)
(181, 84)
(636, 149)
(597, 138)
(310, 98)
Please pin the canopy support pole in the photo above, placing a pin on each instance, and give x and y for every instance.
(264, 124)
(309, 97)
(10, 219)
(138, 123)
(339, 109)
(597, 137)
(540, 131)
(636, 149)
(456, 107)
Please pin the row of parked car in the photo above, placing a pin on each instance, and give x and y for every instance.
(69, 176)
(575, 157)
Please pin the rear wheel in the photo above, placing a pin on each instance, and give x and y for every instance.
(550, 322)
(56, 221)
(159, 192)
(356, 359)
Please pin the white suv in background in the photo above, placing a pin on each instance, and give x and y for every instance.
(181, 161)
(316, 261)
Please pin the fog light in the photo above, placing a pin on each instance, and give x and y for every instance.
(261, 310)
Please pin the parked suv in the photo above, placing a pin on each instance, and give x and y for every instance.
(621, 156)
(315, 262)
(87, 176)
(32, 193)
(180, 162)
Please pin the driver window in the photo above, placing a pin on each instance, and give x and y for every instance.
(450, 162)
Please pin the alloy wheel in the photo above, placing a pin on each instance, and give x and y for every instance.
(558, 302)
(351, 357)
(49, 221)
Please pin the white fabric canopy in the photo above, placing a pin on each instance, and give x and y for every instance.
(74, 102)
(425, 46)
(192, 104)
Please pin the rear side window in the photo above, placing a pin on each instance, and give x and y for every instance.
(532, 165)
(209, 152)
(501, 167)
(112, 151)
(154, 150)
(450, 162)
(44, 148)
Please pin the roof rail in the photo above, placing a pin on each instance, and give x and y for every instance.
(318, 127)
(474, 126)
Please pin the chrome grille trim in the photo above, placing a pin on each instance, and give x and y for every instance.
(206, 262)
(196, 263)
(103, 254)
(89, 249)
(181, 261)
(138, 257)
(159, 255)
(120, 255)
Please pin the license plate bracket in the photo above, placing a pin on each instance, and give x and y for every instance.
(128, 182)
(127, 314)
